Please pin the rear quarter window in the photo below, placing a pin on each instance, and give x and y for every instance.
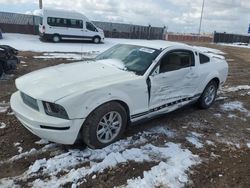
(204, 59)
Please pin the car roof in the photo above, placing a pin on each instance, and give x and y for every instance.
(156, 44)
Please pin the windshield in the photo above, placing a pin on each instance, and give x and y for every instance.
(134, 58)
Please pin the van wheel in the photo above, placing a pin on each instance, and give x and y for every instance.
(104, 125)
(96, 40)
(208, 96)
(56, 38)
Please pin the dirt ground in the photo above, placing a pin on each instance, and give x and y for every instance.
(225, 163)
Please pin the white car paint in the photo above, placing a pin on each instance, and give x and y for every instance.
(82, 87)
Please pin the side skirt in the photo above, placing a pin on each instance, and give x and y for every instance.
(146, 114)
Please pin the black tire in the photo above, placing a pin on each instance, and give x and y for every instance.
(1, 69)
(96, 40)
(202, 100)
(90, 126)
(56, 38)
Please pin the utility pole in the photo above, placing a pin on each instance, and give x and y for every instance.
(202, 9)
(40, 4)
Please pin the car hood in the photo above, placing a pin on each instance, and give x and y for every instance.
(53, 83)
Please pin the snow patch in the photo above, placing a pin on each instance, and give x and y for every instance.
(172, 169)
(24, 42)
(233, 116)
(220, 98)
(17, 144)
(236, 44)
(218, 134)
(218, 115)
(10, 113)
(237, 145)
(171, 173)
(233, 106)
(236, 88)
(75, 157)
(194, 139)
(248, 145)
(209, 142)
(162, 130)
(68, 56)
(22, 155)
(4, 106)
(42, 142)
(31, 152)
(2, 125)
(3, 109)
(19, 148)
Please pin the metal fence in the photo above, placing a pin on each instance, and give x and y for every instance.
(28, 24)
(119, 30)
(188, 38)
(230, 38)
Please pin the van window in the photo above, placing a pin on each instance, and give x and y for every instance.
(64, 22)
(90, 26)
(75, 23)
(58, 22)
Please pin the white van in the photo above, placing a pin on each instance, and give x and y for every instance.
(57, 25)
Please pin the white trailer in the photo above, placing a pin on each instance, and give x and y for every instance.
(57, 25)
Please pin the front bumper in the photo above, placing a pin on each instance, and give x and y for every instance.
(50, 128)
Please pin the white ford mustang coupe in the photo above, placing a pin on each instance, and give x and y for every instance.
(96, 100)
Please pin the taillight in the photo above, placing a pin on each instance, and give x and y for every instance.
(43, 29)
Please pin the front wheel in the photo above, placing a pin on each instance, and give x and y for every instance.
(104, 125)
(96, 40)
(208, 96)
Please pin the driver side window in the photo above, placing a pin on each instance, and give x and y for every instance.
(175, 60)
(90, 26)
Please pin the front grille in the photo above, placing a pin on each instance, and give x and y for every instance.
(29, 101)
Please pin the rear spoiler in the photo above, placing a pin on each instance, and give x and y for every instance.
(212, 55)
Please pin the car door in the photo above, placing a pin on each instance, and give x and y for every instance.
(90, 30)
(173, 80)
(75, 28)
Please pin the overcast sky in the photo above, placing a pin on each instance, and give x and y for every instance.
(179, 15)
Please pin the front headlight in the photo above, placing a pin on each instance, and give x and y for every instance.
(55, 110)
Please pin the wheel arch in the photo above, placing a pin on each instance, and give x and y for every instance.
(217, 80)
(56, 34)
(121, 102)
(213, 76)
(97, 36)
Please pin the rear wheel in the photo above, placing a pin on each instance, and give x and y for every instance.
(104, 125)
(1, 69)
(56, 38)
(208, 96)
(96, 40)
